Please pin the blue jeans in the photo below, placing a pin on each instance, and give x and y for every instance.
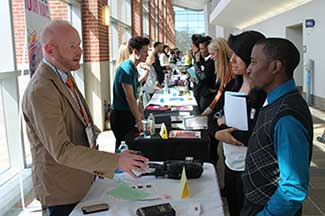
(61, 210)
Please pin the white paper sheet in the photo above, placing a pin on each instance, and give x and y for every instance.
(236, 110)
(196, 122)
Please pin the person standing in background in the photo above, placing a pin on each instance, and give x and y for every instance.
(158, 48)
(233, 146)
(220, 53)
(123, 54)
(195, 49)
(164, 58)
(188, 59)
(205, 72)
(125, 114)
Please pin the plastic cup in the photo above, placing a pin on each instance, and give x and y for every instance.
(146, 129)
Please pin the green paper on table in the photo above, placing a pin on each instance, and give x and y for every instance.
(124, 191)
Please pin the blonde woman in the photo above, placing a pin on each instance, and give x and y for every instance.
(221, 53)
(123, 54)
(188, 58)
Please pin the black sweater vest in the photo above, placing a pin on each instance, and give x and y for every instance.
(261, 175)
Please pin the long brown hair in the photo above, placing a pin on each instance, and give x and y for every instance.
(222, 65)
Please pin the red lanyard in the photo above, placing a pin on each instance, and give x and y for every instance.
(82, 108)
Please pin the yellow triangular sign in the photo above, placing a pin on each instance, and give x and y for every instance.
(185, 193)
(163, 131)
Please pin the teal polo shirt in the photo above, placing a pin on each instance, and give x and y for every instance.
(126, 73)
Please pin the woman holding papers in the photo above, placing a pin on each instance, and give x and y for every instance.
(234, 150)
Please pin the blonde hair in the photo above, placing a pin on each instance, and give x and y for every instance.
(123, 54)
(222, 64)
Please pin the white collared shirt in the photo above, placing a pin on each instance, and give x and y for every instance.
(207, 58)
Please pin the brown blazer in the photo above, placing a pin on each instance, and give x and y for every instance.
(63, 164)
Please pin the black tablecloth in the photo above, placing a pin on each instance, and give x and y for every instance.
(157, 149)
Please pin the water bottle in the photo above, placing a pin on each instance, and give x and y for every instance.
(151, 121)
(166, 84)
(123, 146)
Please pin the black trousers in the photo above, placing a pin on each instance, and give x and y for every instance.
(122, 122)
(61, 210)
(250, 209)
(213, 150)
(196, 93)
(204, 101)
(234, 191)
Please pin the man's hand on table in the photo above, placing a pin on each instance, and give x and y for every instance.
(129, 160)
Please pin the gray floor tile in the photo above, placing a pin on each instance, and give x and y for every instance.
(309, 208)
(318, 198)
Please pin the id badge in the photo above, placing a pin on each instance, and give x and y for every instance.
(91, 135)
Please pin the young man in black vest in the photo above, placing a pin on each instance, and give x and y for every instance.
(158, 48)
(207, 87)
(276, 172)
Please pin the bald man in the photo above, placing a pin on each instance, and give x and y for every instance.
(60, 128)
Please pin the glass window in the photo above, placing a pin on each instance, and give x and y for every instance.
(114, 9)
(7, 57)
(74, 16)
(8, 114)
(114, 37)
(187, 22)
(146, 25)
(128, 20)
(4, 155)
(156, 21)
(120, 28)
(22, 84)
(126, 35)
(145, 19)
(122, 9)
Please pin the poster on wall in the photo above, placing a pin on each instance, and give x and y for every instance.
(37, 16)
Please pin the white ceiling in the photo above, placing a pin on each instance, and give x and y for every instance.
(243, 13)
(190, 4)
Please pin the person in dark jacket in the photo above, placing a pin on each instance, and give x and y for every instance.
(207, 87)
(158, 48)
(195, 49)
(233, 140)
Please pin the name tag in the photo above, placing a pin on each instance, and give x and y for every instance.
(91, 135)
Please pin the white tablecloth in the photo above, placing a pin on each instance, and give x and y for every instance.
(203, 191)
(172, 99)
